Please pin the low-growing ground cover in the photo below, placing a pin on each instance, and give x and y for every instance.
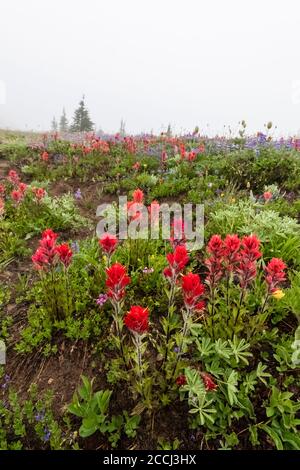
(147, 344)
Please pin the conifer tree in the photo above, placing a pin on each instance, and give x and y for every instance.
(81, 120)
(63, 122)
(54, 124)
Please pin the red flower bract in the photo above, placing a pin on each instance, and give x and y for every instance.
(215, 246)
(64, 253)
(137, 319)
(116, 281)
(45, 255)
(181, 380)
(209, 383)
(192, 289)
(13, 177)
(108, 243)
(138, 196)
(275, 273)
(177, 261)
(250, 248)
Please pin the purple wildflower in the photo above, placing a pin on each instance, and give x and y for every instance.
(78, 194)
(101, 300)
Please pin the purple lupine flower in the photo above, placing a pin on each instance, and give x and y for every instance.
(101, 300)
(78, 194)
(40, 416)
(6, 380)
(47, 435)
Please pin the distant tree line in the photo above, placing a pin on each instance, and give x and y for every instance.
(81, 121)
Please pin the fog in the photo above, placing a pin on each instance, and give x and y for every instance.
(151, 63)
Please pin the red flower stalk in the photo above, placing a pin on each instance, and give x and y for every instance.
(45, 156)
(22, 187)
(138, 196)
(250, 248)
(181, 380)
(40, 259)
(267, 196)
(275, 273)
(45, 255)
(39, 193)
(13, 177)
(208, 381)
(192, 291)
(246, 272)
(231, 251)
(64, 253)
(136, 166)
(137, 319)
(17, 195)
(108, 243)
(177, 261)
(116, 281)
(215, 246)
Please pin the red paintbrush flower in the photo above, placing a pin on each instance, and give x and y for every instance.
(40, 259)
(216, 246)
(64, 253)
(17, 196)
(275, 273)
(232, 245)
(108, 243)
(246, 272)
(181, 380)
(45, 156)
(250, 248)
(22, 187)
(13, 177)
(116, 281)
(137, 319)
(138, 196)
(39, 193)
(267, 196)
(208, 381)
(48, 233)
(192, 290)
(177, 261)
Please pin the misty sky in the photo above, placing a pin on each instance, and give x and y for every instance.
(187, 62)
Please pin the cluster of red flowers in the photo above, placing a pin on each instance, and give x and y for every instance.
(108, 243)
(44, 156)
(134, 206)
(116, 281)
(48, 252)
(232, 255)
(20, 189)
(177, 262)
(192, 289)
(210, 385)
(275, 273)
(137, 319)
(136, 166)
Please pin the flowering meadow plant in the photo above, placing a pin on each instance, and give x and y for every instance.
(175, 346)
